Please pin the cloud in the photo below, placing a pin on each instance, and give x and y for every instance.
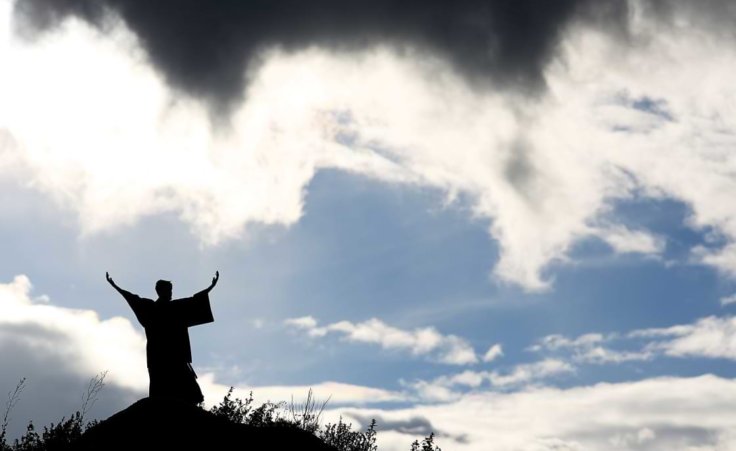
(493, 353)
(417, 426)
(713, 337)
(623, 240)
(452, 387)
(650, 414)
(556, 341)
(728, 300)
(630, 440)
(305, 322)
(79, 337)
(338, 393)
(448, 349)
(709, 337)
(525, 373)
(446, 387)
(113, 142)
(601, 355)
(590, 348)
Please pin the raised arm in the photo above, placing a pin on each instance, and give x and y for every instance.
(212, 285)
(125, 294)
(141, 307)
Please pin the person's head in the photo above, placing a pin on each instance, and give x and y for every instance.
(163, 289)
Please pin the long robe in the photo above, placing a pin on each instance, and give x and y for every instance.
(168, 350)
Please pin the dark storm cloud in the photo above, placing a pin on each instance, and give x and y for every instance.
(715, 12)
(53, 388)
(204, 47)
(415, 425)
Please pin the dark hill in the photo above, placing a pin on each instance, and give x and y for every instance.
(152, 424)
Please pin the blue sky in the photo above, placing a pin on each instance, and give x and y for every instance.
(588, 235)
(366, 250)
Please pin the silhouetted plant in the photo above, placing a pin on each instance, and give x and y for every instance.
(13, 398)
(242, 411)
(55, 437)
(341, 436)
(60, 436)
(306, 416)
(266, 415)
(426, 445)
(30, 441)
(234, 409)
(90, 396)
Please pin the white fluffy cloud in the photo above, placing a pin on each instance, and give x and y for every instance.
(651, 414)
(86, 120)
(80, 338)
(449, 349)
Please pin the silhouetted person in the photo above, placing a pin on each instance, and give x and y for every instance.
(168, 352)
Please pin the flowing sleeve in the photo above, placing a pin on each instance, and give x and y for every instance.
(140, 306)
(196, 310)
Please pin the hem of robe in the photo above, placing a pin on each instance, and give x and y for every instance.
(174, 381)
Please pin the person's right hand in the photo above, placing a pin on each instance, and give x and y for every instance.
(109, 279)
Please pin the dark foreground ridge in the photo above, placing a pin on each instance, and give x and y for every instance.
(152, 424)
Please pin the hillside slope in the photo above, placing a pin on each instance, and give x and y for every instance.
(151, 424)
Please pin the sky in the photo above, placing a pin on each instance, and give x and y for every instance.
(507, 223)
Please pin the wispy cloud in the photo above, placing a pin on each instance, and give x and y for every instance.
(427, 341)
(710, 337)
(589, 348)
(624, 240)
(530, 372)
(493, 353)
(338, 393)
(454, 386)
(728, 300)
(713, 337)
